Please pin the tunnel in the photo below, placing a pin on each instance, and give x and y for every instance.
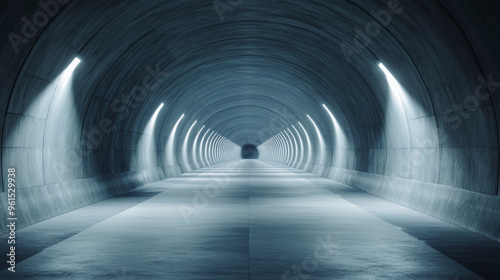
(249, 151)
(250, 139)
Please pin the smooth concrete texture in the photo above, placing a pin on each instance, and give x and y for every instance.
(395, 98)
(250, 70)
(35, 204)
(256, 221)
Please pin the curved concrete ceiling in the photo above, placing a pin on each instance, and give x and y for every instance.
(249, 70)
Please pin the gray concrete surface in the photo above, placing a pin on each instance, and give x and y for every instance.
(426, 136)
(263, 221)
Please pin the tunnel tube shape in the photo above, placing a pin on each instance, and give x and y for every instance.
(231, 151)
(296, 154)
(223, 149)
(274, 153)
(339, 141)
(226, 151)
(274, 149)
(321, 149)
(68, 72)
(289, 148)
(60, 114)
(214, 148)
(268, 151)
(171, 153)
(185, 158)
(264, 149)
(396, 118)
(301, 159)
(278, 152)
(202, 160)
(292, 149)
(209, 149)
(422, 128)
(146, 146)
(309, 148)
(395, 87)
(195, 152)
(280, 149)
(207, 145)
(283, 148)
(220, 149)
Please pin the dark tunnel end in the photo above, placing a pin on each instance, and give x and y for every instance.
(249, 151)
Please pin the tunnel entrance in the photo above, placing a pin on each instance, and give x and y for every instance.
(249, 151)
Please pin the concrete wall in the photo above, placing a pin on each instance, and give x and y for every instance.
(434, 149)
(75, 137)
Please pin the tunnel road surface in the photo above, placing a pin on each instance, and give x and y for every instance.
(248, 220)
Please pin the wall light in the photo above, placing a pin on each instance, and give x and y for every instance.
(146, 156)
(396, 88)
(301, 145)
(296, 148)
(292, 151)
(201, 149)
(206, 147)
(195, 161)
(185, 147)
(309, 146)
(340, 138)
(321, 151)
(171, 156)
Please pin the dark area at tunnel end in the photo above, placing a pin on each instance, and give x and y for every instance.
(249, 151)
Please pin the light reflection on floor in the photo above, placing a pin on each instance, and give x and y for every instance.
(245, 220)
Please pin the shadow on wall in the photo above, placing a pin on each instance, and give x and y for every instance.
(249, 151)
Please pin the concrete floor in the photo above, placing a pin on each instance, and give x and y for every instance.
(249, 220)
